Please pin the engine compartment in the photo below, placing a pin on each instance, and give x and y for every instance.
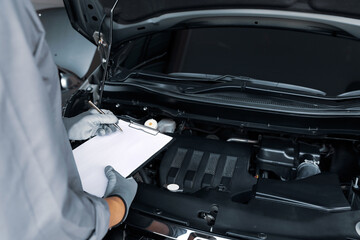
(225, 179)
(213, 168)
(207, 164)
(254, 166)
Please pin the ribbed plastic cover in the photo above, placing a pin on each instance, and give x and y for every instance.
(196, 163)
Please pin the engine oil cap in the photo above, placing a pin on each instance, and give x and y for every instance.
(173, 187)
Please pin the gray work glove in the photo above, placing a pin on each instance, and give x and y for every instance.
(124, 188)
(89, 124)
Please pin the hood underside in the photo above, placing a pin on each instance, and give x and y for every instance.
(142, 16)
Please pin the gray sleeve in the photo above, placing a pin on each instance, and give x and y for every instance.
(40, 189)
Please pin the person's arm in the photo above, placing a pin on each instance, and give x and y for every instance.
(116, 209)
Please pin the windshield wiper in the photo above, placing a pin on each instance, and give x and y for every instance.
(245, 82)
(183, 77)
(203, 77)
(355, 93)
(223, 82)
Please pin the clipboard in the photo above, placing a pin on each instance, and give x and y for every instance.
(125, 151)
(150, 131)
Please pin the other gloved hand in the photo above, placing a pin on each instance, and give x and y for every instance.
(124, 188)
(89, 124)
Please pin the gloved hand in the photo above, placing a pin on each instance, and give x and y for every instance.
(125, 188)
(89, 124)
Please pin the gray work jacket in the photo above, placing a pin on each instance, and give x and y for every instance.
(41, 196)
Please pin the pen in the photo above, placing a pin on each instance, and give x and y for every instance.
(101, 112)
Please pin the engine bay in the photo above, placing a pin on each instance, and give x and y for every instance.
(273, 168)
(226, 179)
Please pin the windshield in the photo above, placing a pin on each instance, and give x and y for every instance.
(326, 63)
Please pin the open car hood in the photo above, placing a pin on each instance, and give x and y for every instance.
(142, 16)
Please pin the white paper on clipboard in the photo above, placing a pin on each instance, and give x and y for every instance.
(125, 151)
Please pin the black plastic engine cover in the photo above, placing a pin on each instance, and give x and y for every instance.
(320, 192)
(195, 163)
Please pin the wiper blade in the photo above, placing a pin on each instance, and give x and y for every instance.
(202, 77)
(248, 82)
(355, 93)
(224, 81)
(291, 87)
(183, 77)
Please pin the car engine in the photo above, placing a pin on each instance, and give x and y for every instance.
(265, 167)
